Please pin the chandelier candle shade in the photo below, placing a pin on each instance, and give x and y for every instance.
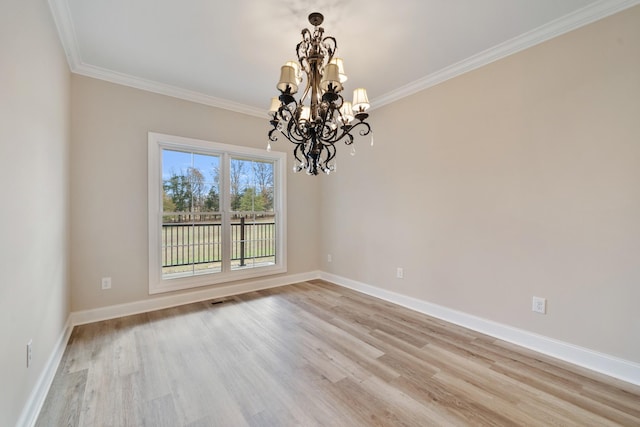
(321, 117)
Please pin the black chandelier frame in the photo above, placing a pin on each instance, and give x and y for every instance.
(315, 136)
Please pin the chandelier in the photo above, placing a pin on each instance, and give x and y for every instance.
(321, 117)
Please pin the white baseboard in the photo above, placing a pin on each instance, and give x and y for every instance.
(32, 408)
(599, 362)
(161, 302)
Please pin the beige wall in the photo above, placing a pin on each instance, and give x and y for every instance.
(521, 178)
(34, 150)
(109, 184)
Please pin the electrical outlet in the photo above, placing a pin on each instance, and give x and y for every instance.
(29, 353)
(106, 283)
(400, 273)
(539, 305)
(329, 259)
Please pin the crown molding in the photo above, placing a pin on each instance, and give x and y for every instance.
(572, 21)
(66, 31)
(165, 89)
(588, 14)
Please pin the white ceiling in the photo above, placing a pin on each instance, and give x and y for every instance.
(229, 53)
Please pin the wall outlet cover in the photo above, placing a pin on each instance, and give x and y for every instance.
(539, 305)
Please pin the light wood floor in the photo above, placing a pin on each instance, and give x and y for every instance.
(317, 354)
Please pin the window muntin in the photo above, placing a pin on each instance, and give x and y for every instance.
(216, 213)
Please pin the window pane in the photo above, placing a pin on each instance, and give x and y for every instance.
(253, 240)
(207, 244)
(253, 232)
(209, 194)
(191, 225)
(191, 244)
(175, 184)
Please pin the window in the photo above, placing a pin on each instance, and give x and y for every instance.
(216, 213)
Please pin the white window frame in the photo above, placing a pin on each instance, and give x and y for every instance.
(156, 143)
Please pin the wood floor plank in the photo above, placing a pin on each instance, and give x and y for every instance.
(160, 412)
(63, 408)
(316, 354)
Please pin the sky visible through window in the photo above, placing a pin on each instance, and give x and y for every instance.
(249, 178)
(178, 162)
